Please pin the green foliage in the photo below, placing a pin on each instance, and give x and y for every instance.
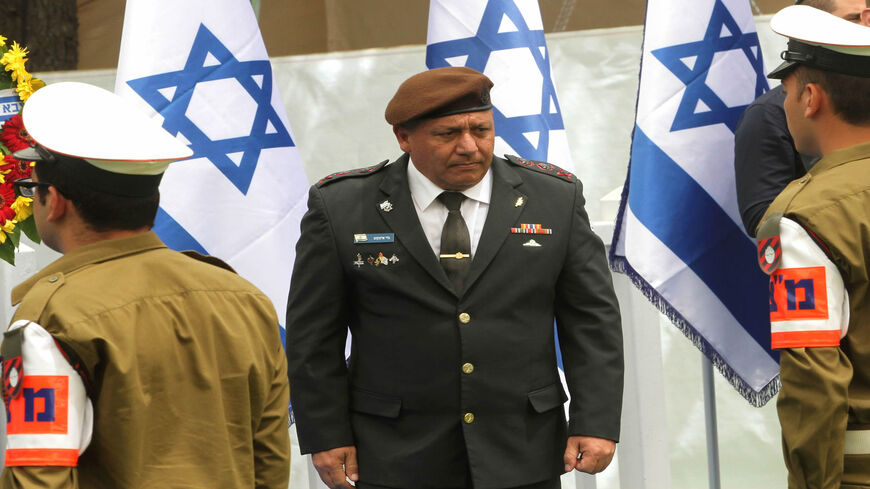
(7, 252)
(28, 227)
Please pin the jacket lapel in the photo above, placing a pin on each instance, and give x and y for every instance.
(402, 219)
(503, 211)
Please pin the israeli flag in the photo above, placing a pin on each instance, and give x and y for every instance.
(202, 68)
(504, 39)
(678, 234)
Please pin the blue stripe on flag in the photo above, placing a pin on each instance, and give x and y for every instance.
(743, 294)
(174, 235)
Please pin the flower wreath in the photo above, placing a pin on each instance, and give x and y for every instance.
(16, 212)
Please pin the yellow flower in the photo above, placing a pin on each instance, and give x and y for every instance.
(14, 60)
(22, 207)
(2, 41)
(25, 87)
(8, 226)
(37, 83)
(3, 236)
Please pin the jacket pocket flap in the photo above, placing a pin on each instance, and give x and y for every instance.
(547, 398)
(377, 404)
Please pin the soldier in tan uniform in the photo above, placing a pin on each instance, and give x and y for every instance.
(128, 365)
(815, 243)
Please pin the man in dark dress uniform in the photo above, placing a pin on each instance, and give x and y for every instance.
(449, 266)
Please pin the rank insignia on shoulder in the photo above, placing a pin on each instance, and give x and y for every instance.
(542, 167)
(769, 246)
(359, 172)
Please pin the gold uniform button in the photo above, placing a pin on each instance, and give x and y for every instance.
(465, 318)
(804, 179)
(468, 418)
(53, 279)
(467, 368)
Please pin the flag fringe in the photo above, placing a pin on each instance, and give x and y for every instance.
(755, 398)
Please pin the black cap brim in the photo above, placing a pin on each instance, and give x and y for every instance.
(782, 70)
(28, 154)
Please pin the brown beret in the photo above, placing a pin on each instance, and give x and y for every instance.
(439, 92)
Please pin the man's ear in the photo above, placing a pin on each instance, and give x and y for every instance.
(814, 99)
(56, 204)
(402, 136)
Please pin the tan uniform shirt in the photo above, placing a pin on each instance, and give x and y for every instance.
(826, 390)
(187, 372)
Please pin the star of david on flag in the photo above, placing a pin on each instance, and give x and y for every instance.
(679, 234)
(504, 39)
(202, 68)
(210, 62)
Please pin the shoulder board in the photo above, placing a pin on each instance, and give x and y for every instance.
(211, 260)
(542, 167)
(352, 173)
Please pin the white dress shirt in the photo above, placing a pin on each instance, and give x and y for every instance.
(432, 213)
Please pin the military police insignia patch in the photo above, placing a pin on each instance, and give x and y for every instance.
(769, 246)
(769, 254)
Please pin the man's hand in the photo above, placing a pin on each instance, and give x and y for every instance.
(594, 454)
(335, 465)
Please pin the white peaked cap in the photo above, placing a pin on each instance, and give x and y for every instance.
(821, 40)
(814, 26)
(87, 122)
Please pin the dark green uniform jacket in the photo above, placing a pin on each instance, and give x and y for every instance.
(441, 384)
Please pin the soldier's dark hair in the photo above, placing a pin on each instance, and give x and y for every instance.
(849, 95)
(100, 211)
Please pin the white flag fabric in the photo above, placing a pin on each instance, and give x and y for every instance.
(504, 39)
(201, 67)
(678, 233)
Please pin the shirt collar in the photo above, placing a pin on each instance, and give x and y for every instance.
(98, 252)
(424, 192)
(841, 156)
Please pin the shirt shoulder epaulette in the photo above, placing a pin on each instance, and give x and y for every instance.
(542, 167)
(359, 172)
(211, 260)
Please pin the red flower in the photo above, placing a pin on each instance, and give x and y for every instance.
(16, 168)
(13, 135)
(7, 197)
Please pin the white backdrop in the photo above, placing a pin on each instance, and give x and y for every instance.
(335, 103)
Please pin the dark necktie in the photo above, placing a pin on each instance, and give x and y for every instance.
(455, 241)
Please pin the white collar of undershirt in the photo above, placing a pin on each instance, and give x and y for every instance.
(424, 192)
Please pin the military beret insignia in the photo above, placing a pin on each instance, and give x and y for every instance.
(352, 173)
(542, 167)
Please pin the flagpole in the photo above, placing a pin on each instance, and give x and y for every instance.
(710, 417)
